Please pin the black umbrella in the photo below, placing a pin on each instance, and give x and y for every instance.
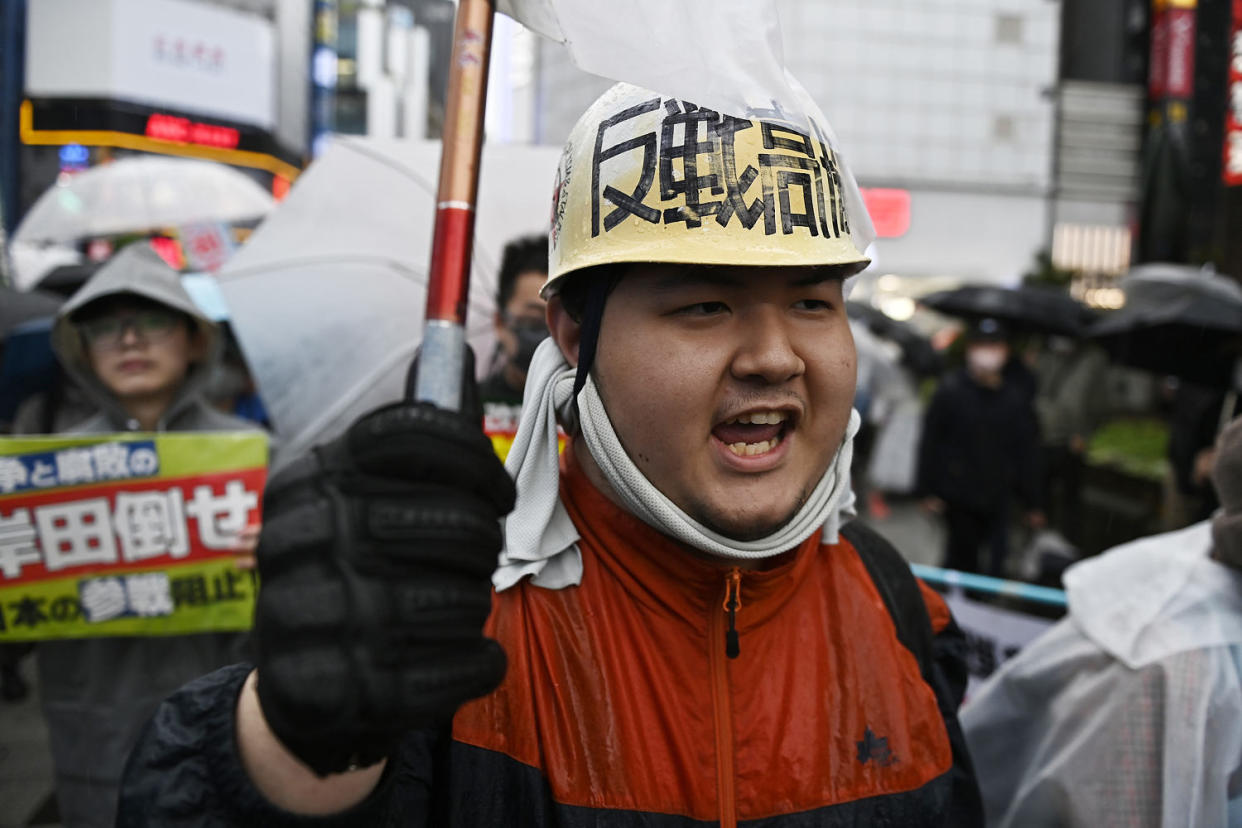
(1028, 309)
(1177, 320)
(17, 307)
(66, 279)
(917, 352)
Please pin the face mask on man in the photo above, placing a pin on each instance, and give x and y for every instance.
(986, 359)
(528, 332)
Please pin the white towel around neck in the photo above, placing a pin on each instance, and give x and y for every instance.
(541, 540)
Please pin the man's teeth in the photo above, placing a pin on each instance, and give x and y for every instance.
(750, 449)
(760, 418)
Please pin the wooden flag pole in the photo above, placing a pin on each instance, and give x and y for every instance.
(448, 280)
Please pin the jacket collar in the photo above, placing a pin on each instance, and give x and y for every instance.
(665, 575)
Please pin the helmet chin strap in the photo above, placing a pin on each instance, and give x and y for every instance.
(592, 318)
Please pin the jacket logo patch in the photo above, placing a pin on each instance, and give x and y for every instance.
(872, 747)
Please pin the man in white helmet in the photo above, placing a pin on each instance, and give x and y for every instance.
(691, 636)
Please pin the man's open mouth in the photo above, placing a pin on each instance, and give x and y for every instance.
(756, 432)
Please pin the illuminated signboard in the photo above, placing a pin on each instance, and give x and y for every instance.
(1233, 116)
(101, 123)
(185, 131)
(889, 210)
(74, 155)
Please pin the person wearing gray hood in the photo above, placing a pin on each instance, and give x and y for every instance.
(138, 345)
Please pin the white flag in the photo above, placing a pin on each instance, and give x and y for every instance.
(723, 55)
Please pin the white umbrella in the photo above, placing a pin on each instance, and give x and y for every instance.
(31, 262)
(137, 195)
(327, 296)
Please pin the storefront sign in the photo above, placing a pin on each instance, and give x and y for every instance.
(126, 534)
(1171, 78)
(183, 130)
(177, 54)
(206, 246)
(1233, 115)
(889, 210)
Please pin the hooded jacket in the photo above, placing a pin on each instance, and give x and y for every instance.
(1129, 711)
(97, 693)
(622, 707)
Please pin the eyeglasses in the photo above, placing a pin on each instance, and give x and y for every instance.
(108, 332)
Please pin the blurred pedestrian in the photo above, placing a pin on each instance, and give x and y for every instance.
(979, 453)
(1129, 711)
(58, 407)
(1072, 402)
(878, 388)
(135, 341)
(1197, 415)
(519, 326)
(519, 321)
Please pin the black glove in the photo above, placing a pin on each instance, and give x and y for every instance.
(375, 562)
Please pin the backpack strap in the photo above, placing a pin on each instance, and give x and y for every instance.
(899, 590)
(903, 599)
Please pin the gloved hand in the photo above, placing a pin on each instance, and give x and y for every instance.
(375, 562)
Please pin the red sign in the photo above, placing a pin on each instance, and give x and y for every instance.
(889, 210)
(127, 534)
(1172, 67)
(185, 131)
(169, 250)
(78, 529)
(1180, 76)
(206, 246)
(1232, 170)
(1158, 68)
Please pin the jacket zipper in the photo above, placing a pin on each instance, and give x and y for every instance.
(724, 631)
(732, 603)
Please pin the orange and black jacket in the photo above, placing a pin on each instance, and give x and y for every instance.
(637, 699)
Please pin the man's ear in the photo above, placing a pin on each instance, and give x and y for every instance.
(565, 331)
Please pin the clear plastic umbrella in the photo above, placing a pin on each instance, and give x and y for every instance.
(137, 195)
(327, 296)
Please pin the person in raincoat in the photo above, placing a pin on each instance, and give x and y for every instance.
(133, 339)
(1129, 711)
(692, 633)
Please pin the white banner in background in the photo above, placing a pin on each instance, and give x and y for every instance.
(187, 56)
(995, 635)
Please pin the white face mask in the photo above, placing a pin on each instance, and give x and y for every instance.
(986, 359)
